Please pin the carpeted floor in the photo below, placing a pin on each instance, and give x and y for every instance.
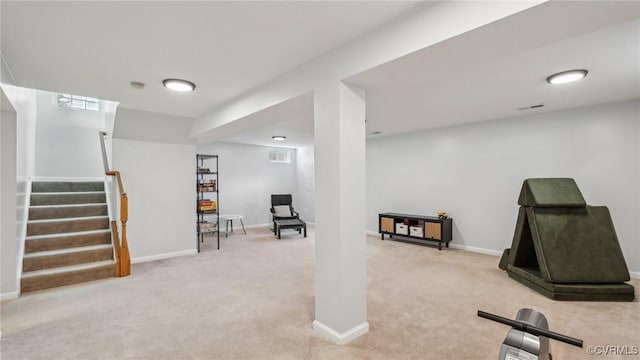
(254, 299)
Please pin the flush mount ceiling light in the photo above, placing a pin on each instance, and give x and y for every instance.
(567, 76)
(279, 138)
(179, 85)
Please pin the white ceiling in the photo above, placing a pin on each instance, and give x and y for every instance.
(492, 71)
(226, 47)
(484, 74)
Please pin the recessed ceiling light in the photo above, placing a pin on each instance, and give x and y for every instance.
(279, 138)
(179, 85)
(567, 76)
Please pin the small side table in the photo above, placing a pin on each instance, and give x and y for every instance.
(229, 219)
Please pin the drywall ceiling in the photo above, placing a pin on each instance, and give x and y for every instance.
(292, 118)
(491, 72)
(227, 48)
(484, 74)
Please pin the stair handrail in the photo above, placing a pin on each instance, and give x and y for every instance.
(123, 259)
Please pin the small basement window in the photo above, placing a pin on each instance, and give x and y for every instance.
(280, 156)
(78, 102)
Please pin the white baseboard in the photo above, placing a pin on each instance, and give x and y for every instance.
(476, 249)
(163, 256)
(634, 274)
(9, 295)
(344, 338)
(267, 225)
(457, 246)
(254, 226)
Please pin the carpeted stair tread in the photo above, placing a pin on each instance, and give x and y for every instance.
(66, 257)
(67, 251)
(64, 198)
(68, 275)
(55, 226)
(66, 240)
(66, 269)
(66, 186)
(66, 211)
(68, 235)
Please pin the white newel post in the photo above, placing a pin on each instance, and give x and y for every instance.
(340, 245)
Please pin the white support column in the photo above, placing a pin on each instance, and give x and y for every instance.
(341, 292)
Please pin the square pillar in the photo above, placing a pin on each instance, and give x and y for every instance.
(340, 191)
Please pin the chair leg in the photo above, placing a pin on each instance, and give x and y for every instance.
(242, 222)
(305, 230)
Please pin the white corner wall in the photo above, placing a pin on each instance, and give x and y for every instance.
(247, 179)
(474, 172)
(8, 201)
(67, 143)
(305, 194)
(152, 127)
(160, 182)
(23, 101)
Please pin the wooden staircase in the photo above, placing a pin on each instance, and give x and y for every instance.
(68, 236)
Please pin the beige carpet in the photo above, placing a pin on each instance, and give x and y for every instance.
(254, 299)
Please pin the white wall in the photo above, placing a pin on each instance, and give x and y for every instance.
(247, 179)
(67, 143)
(160, 182)
(23, 101)
(8, 186)
(475, 172)
(304, 196)
(157, 162)
(6, 77)
(146, 126)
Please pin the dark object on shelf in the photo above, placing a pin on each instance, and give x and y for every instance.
(416, 228)
(529, 336)
(296, 224)
(207, 209)
(565, 249)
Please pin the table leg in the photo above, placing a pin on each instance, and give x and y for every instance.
(226, 228)
(279, 232)
(305, 230)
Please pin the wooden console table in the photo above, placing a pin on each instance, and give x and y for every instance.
(416, 228)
